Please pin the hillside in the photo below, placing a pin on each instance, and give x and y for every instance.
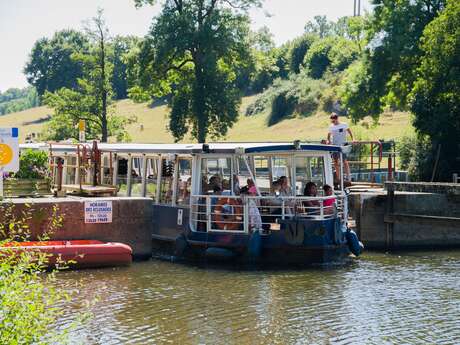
(154, 123)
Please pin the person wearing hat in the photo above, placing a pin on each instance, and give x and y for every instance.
(337, 135)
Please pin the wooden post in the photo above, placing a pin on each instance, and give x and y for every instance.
(389, 213)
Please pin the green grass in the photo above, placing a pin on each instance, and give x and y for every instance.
(154, 122)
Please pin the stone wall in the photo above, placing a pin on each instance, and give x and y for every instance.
(131, 220)
(418, 220)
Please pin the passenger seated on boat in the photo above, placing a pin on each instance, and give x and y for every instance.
(236, 184)
(213, 182)
(311, 206)
(285, 191)
(255, 220)
(273, 205)
(329, 203)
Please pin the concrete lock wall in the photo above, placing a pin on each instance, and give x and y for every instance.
(131, 220)
(424, 220)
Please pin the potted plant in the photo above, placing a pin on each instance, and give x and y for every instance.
(32, 179)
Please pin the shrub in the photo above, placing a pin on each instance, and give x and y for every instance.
(283, 105)
(317, 59)
(30, 302)
(417, 156)
(299, 48)
(32, 164)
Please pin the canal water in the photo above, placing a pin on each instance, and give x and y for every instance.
(410, 298)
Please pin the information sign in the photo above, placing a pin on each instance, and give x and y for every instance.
(98, 211)
(9, 152)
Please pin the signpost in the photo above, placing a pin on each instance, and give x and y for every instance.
(9, 152)
(81, 131)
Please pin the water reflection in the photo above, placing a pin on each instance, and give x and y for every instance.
(410, 298)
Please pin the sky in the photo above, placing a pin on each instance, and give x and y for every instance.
(22, 22)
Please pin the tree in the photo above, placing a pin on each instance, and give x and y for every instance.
(393, 51)
(317, 59)
(50, 65)
(320, 26)
(92, 99)
(191, 53)
(436, 94)
(120, 48)
(299, 48)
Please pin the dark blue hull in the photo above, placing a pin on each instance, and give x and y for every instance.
(298, 242)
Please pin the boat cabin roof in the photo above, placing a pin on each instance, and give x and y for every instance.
(223, 148)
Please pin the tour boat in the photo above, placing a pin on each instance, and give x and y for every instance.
(77, 253)
(200, 212)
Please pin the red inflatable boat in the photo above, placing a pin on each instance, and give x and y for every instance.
(80, 253)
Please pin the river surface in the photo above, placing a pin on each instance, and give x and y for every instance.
(410, 298)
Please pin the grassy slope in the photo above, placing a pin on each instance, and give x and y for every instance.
(154, 121)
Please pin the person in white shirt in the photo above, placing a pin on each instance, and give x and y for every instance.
(337, 135)
(255, 220)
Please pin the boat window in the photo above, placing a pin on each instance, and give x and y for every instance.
(152, 177)
(262, 174)
(242, 175)
(216, 174)
(184, 181)
(280, 167)
(166, 183)
(309, 169)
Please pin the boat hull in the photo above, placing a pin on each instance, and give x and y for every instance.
(298, 242)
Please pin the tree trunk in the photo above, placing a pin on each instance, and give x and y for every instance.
(200, 103)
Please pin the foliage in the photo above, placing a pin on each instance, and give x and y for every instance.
(192, 53)
(30, 303)
(392, 54)
(51, 66)
(356, 91)
(32, 164)
(320, 26)
(436, 94)
(299, 95)
(298, 49)
(317, 59)
(120, 48)
(13, 100)
(417, 156)
(92, 99)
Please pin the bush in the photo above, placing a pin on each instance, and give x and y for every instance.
(299, 48)
(32, 165)
(417, 156)
(30, 302)
(317, 59)
(283, 105)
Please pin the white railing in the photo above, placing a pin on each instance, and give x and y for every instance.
(241, 214)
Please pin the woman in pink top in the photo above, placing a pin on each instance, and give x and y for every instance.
(329, 202)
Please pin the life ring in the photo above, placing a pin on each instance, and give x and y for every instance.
(228, 214)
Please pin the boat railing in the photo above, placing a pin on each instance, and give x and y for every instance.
(241, 214)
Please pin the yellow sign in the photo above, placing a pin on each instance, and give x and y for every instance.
(6, 154)
(81, 125)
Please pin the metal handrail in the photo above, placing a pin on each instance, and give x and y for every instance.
(203, 212)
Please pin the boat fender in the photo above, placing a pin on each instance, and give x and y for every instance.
(220, 253)
(255, 244)
(354, 244)
(181, 245)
